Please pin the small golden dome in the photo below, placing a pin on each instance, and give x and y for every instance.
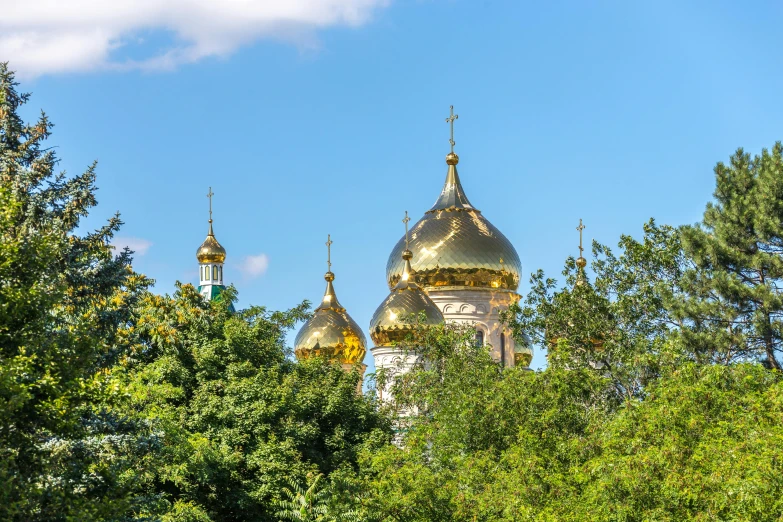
(390, 322)
(581, 262)
(331, 332)
(455, 245)
(523, 354)
(210, 250)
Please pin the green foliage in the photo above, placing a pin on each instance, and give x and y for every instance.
(734, 306)
(318, 502)
(240, 421)
(705, 445)
(63, 298)
(305, 505)
(632, 420)
(117, 404)
(620, 323)
(474, 428)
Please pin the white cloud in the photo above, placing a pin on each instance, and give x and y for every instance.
(138, 245)
(51, 36)
(254, 266)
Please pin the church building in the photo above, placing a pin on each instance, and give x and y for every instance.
(453, 265)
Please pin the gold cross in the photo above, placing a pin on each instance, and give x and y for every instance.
(406, 229)
(209, 195)
(450, 120)
(329, 252)
(580, 228)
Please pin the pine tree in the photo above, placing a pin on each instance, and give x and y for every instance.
(734, 306)
(63, 298)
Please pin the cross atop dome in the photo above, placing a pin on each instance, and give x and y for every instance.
(329, 243)
(209, 195)
(581, 262)
(450, 121)
(211, 256)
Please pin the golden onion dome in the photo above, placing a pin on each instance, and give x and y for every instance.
(391, 322)
(455, 245)
(210, 250)
(331, 332)
(523, 354)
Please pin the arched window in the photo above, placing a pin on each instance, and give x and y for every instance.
(479, 338)
(220, 273)
(502, 348)
(214, 271)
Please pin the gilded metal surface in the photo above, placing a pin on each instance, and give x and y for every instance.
(210, 250)
(455, 245)
(331, 331)
(391, 321)
(523, 359)
(523, 353)
(452, 197)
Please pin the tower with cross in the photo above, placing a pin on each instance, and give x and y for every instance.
(211, 257)
(464, 264)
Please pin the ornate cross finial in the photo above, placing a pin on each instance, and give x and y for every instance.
(209, 195)
(329, 252)
(580, 228)
(405, 220)
(450, 121)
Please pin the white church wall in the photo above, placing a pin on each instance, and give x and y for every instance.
(480, 307)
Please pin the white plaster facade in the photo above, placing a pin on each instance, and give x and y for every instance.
(480, 307)
(210, 275)
(395, 361)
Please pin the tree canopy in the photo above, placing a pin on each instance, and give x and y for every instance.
(662, 397)
(239, 419)
(63, 299)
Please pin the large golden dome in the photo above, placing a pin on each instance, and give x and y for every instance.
(210, 250)
(455, 245)
(331, 332)
(391, 322)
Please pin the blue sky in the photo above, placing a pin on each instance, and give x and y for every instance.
(330, 119)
